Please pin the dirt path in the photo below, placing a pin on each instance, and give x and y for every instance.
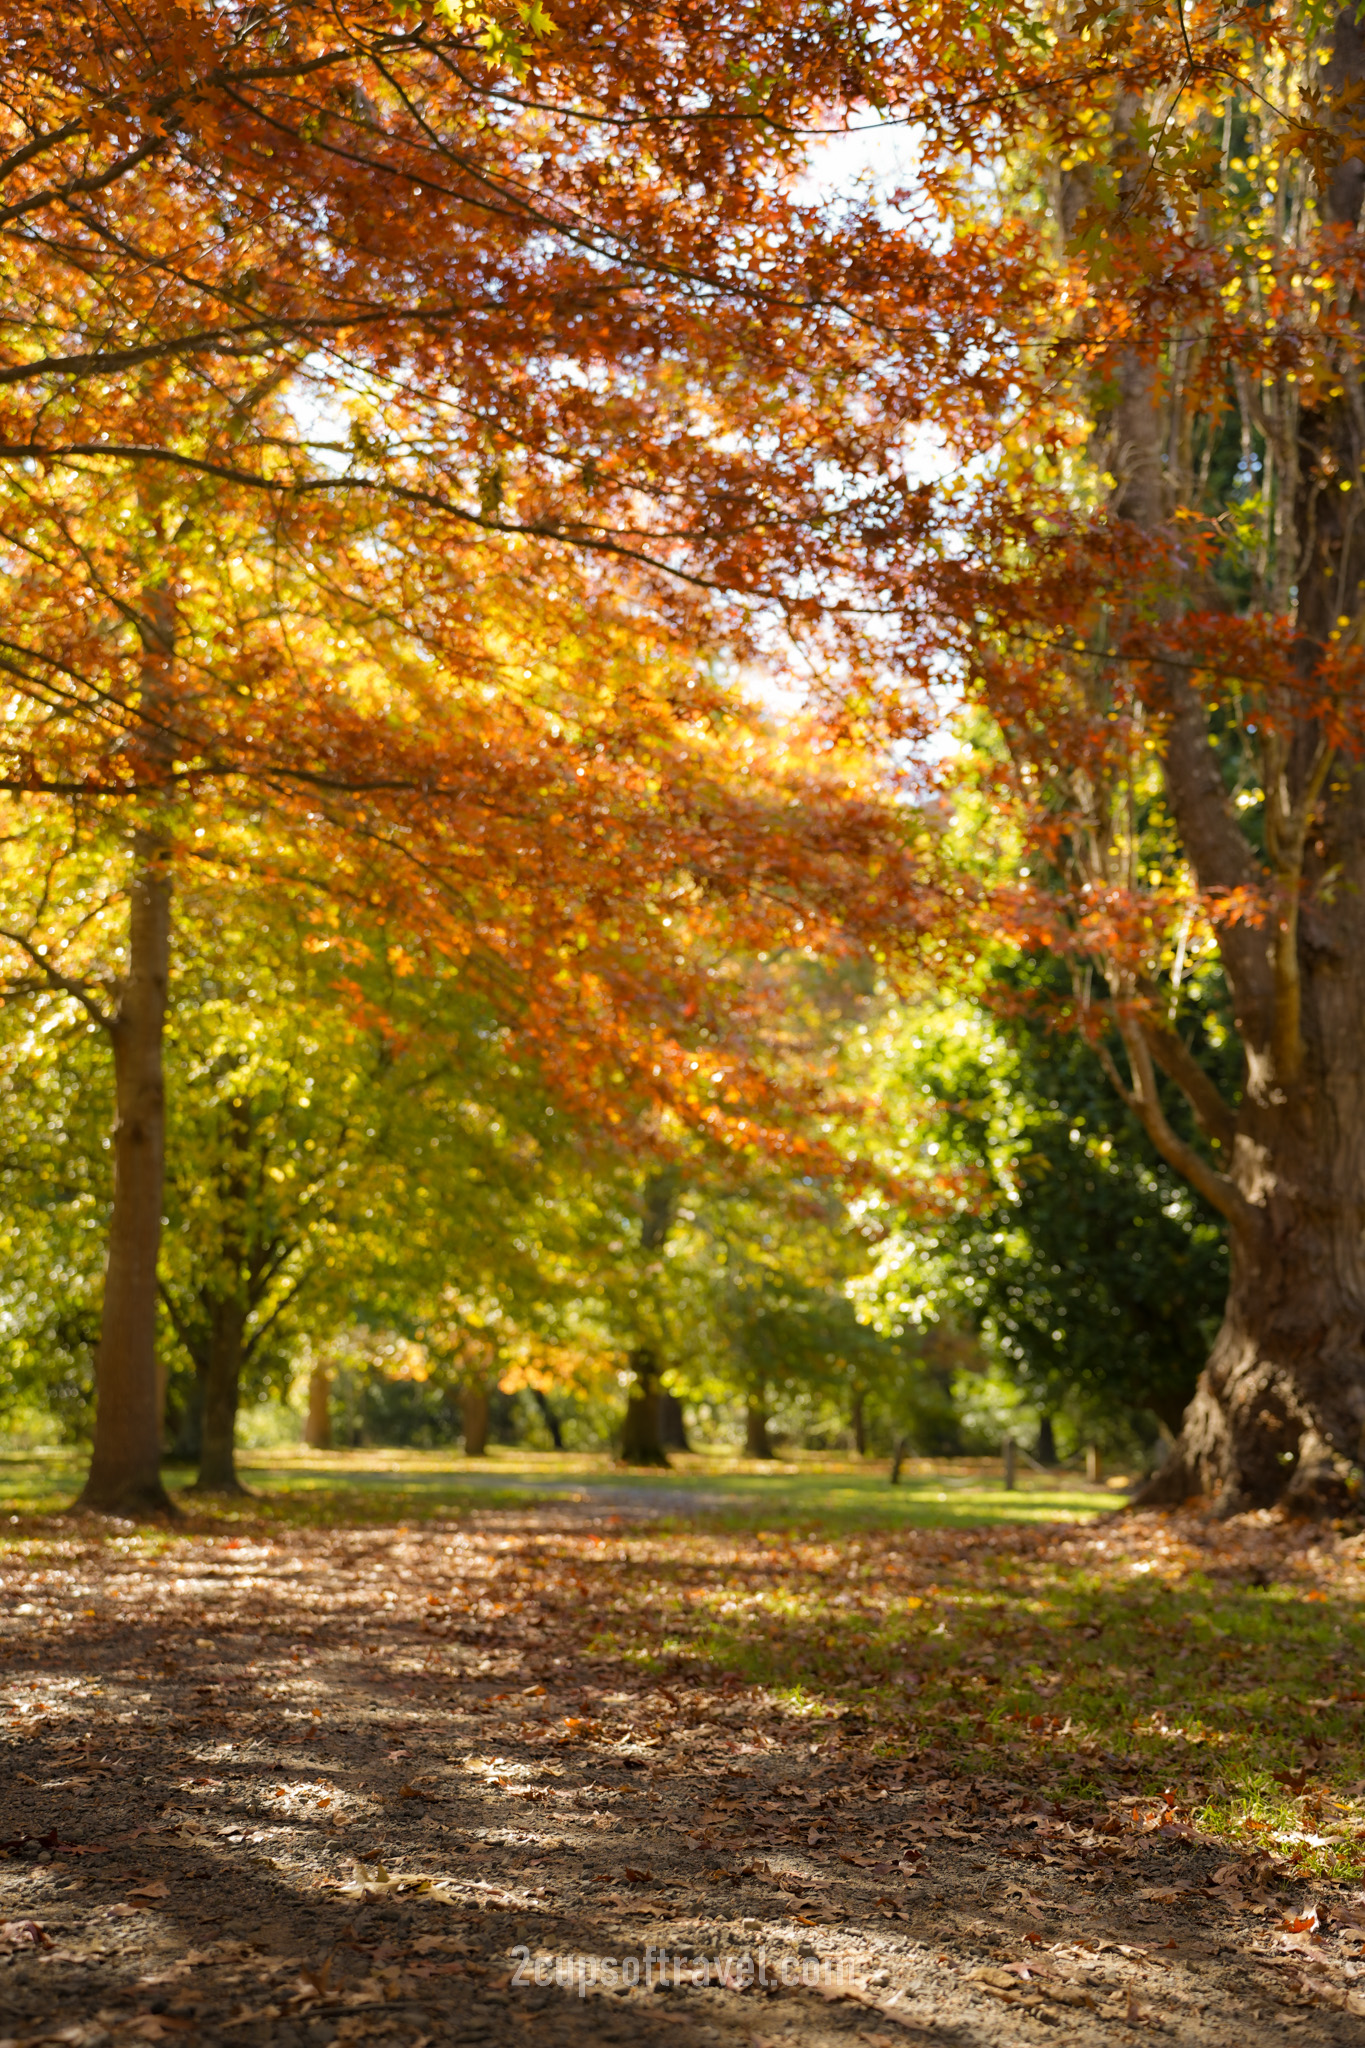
(426, 1786)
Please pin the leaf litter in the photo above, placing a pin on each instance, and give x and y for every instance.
(415, 1784)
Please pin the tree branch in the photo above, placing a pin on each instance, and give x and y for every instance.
(286, 1300)
(197, 1353)
(61, 981)
(1214, 1116)
(1218, 850)
(1142, 1098)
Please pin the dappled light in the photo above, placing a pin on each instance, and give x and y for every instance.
(339, 1779)
(682, 959)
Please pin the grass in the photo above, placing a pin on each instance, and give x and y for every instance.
(298, 1486)
(1215, 1668)
(1161, 1665)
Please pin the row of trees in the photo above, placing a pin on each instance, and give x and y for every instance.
(373, 1184)
(418, 428)
(383, 478)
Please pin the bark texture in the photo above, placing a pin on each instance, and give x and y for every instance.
(125, 1465)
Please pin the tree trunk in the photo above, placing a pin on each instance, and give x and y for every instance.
(125, 1466)
(188, 1424)
(1280, 1407)
(551, 1420)
(859, 1419)
(1046, 1452)
(756, 1443)
(222, 1381)
(672, 1424)
(317, 1431)
(640, 1440)
(475, 1406)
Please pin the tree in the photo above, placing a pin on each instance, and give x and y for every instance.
(562, 944)
(751, 1301)
(283, 1161)
(1155, 598)
(1094, 1273)
(343, 370)
(641, 1437)
(370, 1151)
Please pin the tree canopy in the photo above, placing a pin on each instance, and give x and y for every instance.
(480, 481)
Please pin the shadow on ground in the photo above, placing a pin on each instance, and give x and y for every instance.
(444, 1785)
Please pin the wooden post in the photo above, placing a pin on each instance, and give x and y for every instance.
(1094, 1468)
(1010, 1455)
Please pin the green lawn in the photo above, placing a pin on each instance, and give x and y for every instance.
(1096, 1656)
(298, 1485)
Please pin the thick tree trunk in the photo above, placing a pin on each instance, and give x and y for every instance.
(125, 1466)
(317, 1433)
(756, 1440)
(222, 1381)
(1280, 1407)
(672, 1424)
(1046, 1453)
(640, 1440)
(475, 1407)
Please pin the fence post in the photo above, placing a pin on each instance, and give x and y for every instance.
(1094, 1469)
(1009, 1458)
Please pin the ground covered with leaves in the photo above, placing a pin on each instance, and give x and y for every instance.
(581, 1775)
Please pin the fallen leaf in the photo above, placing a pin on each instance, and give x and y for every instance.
(996, 1979)
(24, 1934)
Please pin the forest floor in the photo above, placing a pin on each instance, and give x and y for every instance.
(573, 1772)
